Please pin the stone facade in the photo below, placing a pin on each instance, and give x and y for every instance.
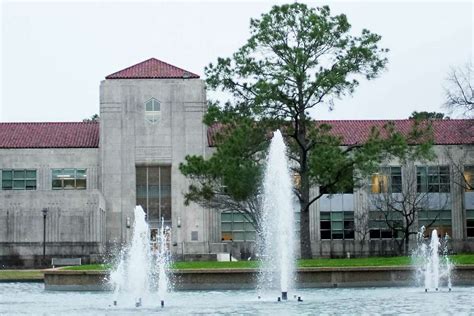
(129, 140)
(75, 218)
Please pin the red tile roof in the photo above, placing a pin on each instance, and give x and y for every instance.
(353, 132)
(86, 134)
(152, 69)
(49, 135)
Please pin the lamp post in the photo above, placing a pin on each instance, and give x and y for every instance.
(45, 212)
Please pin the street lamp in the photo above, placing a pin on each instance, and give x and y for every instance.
(45, 212)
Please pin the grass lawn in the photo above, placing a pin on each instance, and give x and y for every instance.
(354, 262)
(89, 267)
(21, 274)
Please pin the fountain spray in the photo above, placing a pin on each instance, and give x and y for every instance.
(433, 268)
(139, 266)
(278, 221)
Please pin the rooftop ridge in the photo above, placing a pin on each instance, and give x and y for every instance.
(17, 135)
(353, 132)
(152, 68)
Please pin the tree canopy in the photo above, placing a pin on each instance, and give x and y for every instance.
(93, 118)
(296, 58)
(424, 115)
(459, 90)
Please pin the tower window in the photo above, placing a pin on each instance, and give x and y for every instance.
(152, 110)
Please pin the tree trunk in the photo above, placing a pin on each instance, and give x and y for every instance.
(300, 128)
(305, 238)
(407, 242)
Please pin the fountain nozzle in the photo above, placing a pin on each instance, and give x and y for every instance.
(138, 303)
(284, 296)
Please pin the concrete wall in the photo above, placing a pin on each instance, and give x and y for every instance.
(231, 279)
(129, 140)
(75, 220)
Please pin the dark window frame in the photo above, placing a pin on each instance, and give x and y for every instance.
(346, 230)
(62, 179)
(389, 180)
(470, 223)
(239, 226)
(30, 183)
(153, 110)
(433, 179)
(468, 175)
(378, 228)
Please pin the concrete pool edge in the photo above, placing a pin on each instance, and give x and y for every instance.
(231, 279)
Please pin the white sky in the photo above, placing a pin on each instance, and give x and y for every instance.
(54, 54)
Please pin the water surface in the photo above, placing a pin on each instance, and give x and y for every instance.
(31, 298)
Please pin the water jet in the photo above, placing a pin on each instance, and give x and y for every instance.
(143, 266)
(277, 246)
(434, 266)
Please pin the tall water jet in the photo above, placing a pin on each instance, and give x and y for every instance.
(278, 221)
(163, 260)
(434, 265)
(131, 277)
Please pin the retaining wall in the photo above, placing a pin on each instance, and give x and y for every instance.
(231, 279)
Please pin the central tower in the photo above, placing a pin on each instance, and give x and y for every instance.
(150, 119)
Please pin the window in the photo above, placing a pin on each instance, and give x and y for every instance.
(337, 225)
(469, 178)
(378, 228)
(389, 179)
(470, 223)
(433, 179)
(441, 218)
(235, 227)
(19, 179)
(152, 110)
(69, 179)
(153, 193)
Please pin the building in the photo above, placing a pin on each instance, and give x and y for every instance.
(69, 189)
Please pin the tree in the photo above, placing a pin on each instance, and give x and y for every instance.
(400, 208)
(93, 118)
(427, 115)
(296, 59)
(229, 180)
(459, 90)
(362, 229)
(463, 170)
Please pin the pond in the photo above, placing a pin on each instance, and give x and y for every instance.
(31, 298)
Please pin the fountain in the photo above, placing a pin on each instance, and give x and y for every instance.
(433, 268)
(163, 262)
(141, 268)
(278, 266)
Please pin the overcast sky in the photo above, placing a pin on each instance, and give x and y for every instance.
(54, 54)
